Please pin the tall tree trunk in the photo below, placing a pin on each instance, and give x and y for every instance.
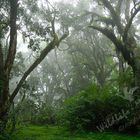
(137, 75)
(6, 66)
(3, 119)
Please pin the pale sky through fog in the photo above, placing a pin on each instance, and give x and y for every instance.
(21, 45)
(61, 0)
(66, 1)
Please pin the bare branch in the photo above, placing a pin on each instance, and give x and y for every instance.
(126, 30)
(127, 10)
(1, 72)
(108, 33)
(1, 58)
(118, 7)
(106, 20)
(114, 15)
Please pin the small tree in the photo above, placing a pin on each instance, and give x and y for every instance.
(9, 22)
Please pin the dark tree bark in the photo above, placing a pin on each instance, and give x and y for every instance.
(6, 68)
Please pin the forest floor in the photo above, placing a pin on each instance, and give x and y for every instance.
(59, 133)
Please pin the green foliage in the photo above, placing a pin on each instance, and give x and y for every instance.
(45, 115)
(126, 79)
(91, 107)
(60, 133)
(7, 136)
(25, 111)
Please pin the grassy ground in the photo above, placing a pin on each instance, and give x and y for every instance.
(58, 133)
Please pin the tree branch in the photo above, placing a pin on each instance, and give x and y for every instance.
(119, 45)
(108, 33)
(127, 10)
(1, 58)
(106, 20)
(114, 15)
(130, 23)
(1, 71)
(118, 7)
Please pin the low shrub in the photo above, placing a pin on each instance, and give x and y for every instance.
(96, 108)
(45, 115)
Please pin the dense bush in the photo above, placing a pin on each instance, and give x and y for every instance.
(28, 112)
(7, 136)
(45, 115)
(94, 108)
(25, 111)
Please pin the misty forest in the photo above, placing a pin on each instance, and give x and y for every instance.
(69, 69)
